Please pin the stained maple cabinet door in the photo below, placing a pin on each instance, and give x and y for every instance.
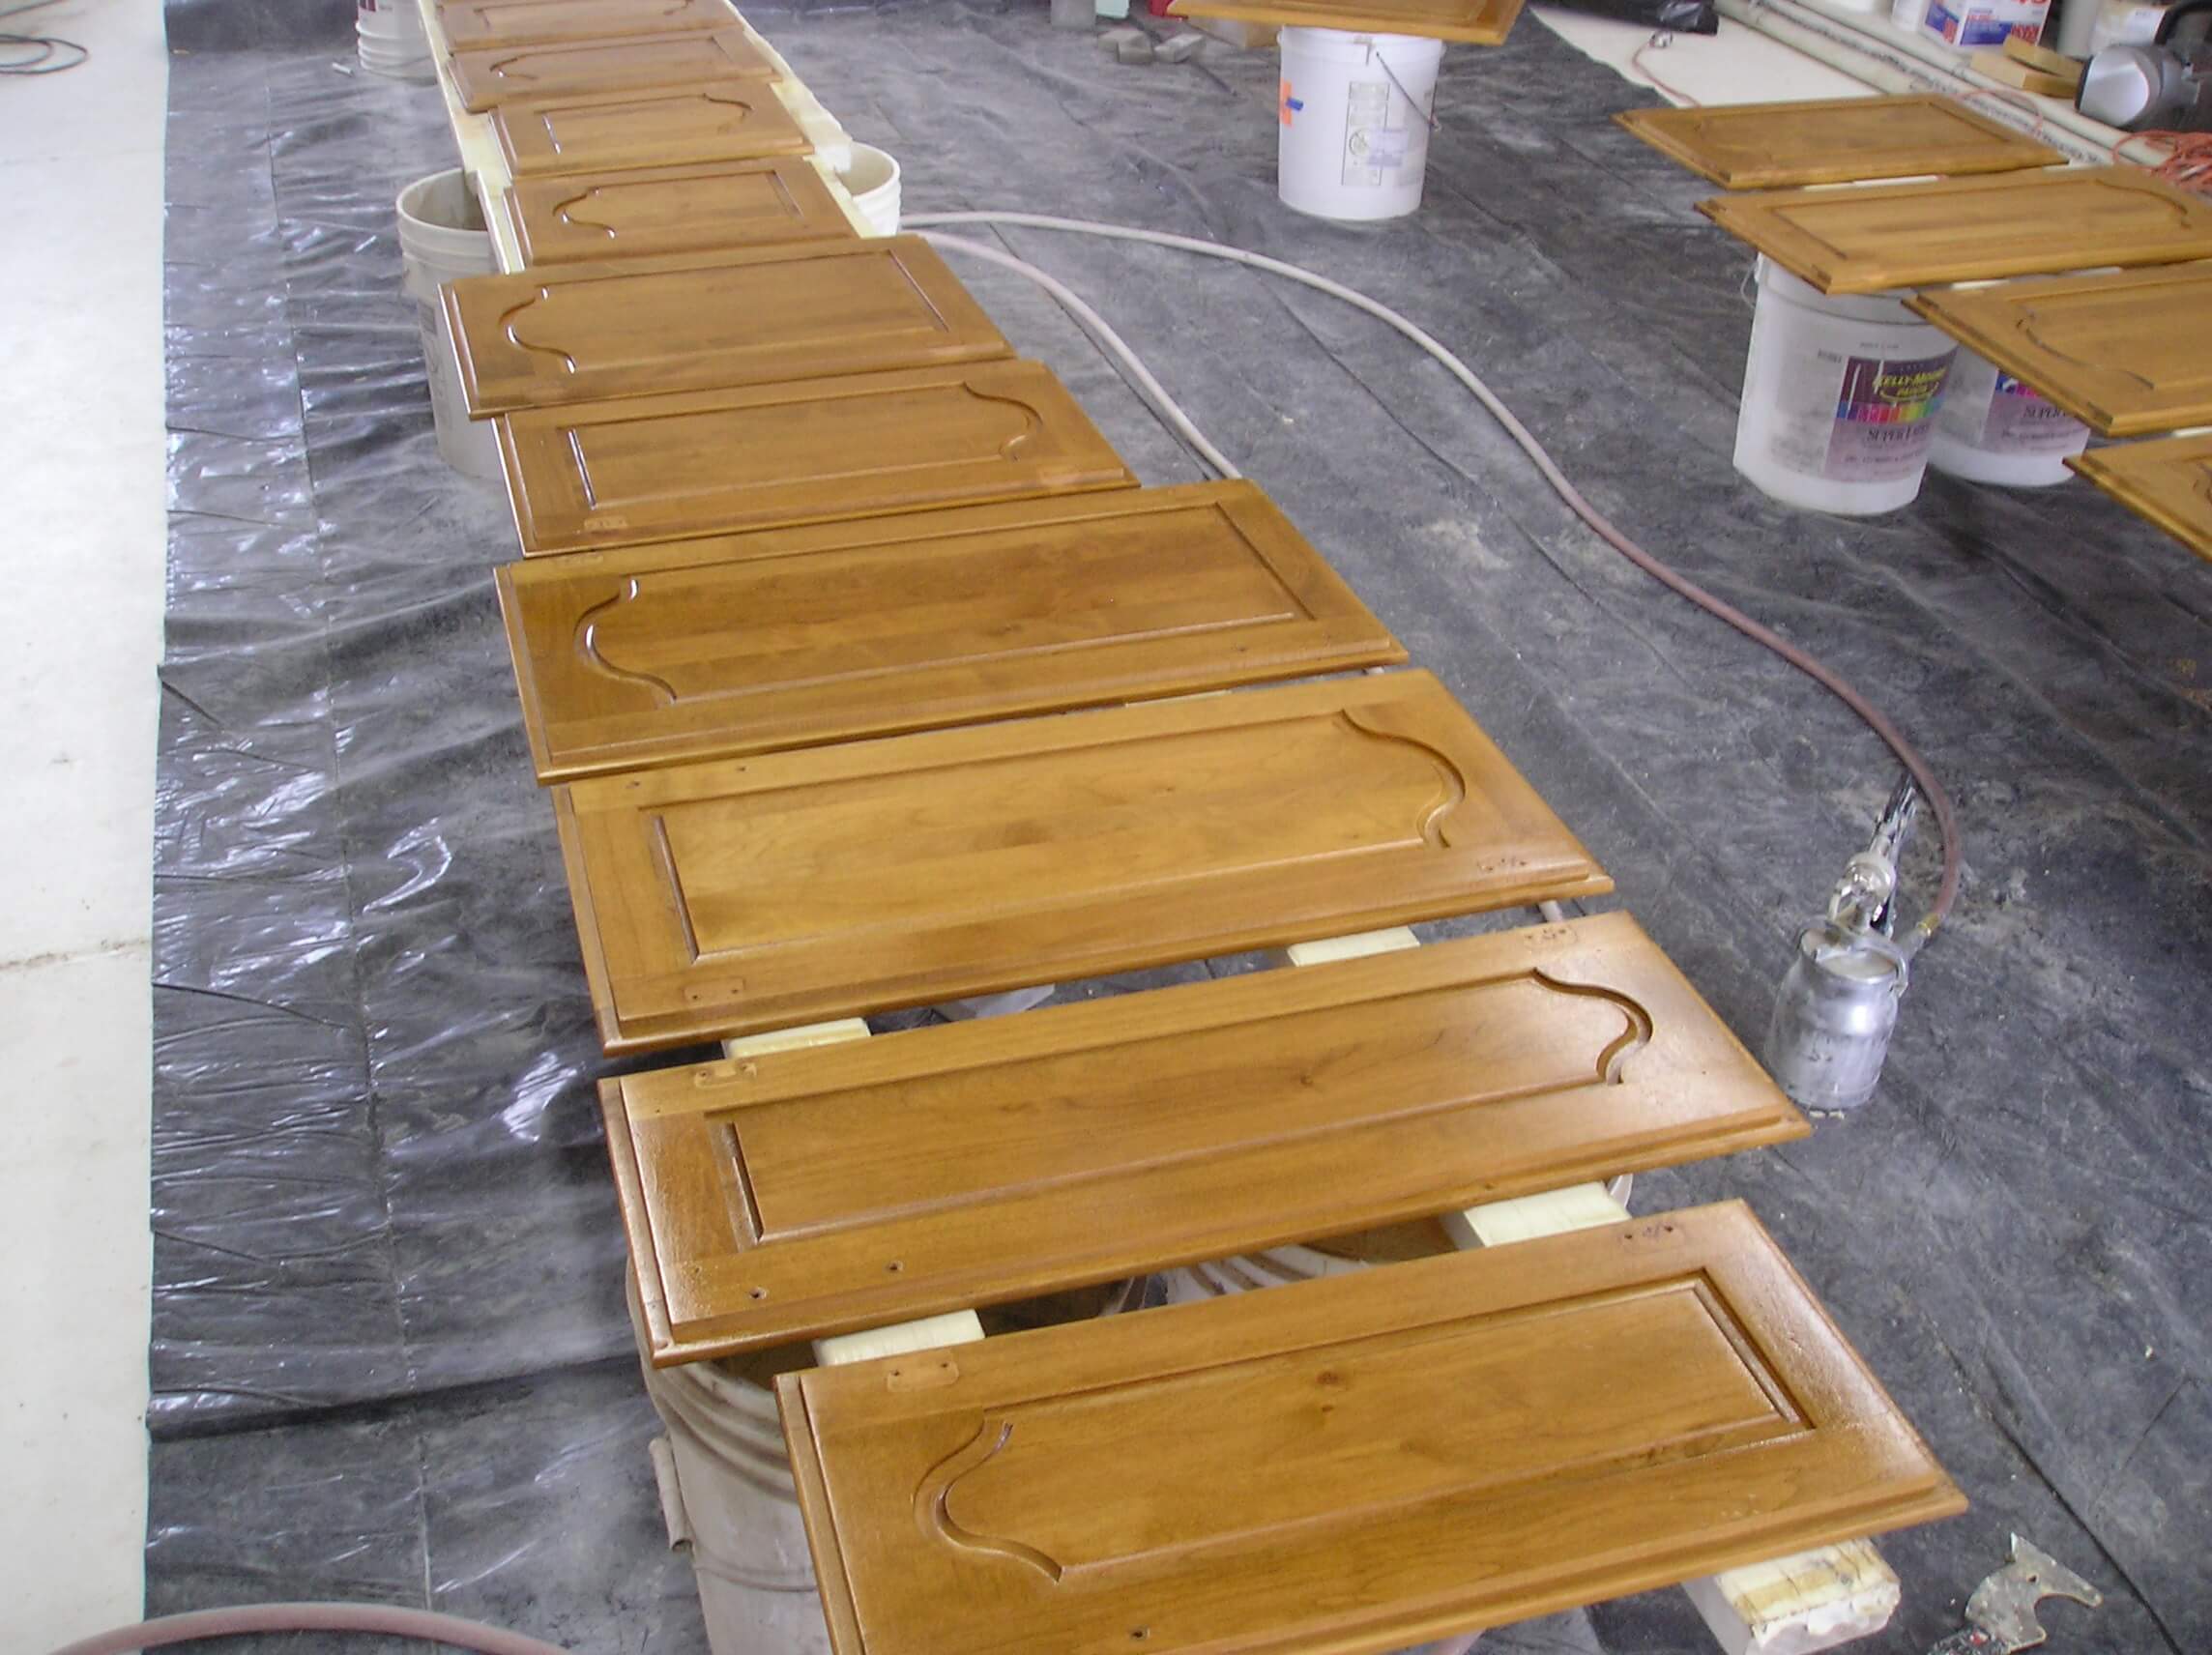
(474, 23)
(1356, 1464)
(2168, 484)
(1836, 140)
(767, 1199)
(2105, 348)
(654, 212)
(1471, 22)
(612, 132)
(761, 893)
(484, 79)
(1969, 229)
(660, 468)
(703, 321)
(797, 637)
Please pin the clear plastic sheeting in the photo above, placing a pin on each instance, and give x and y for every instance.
(390, 1358)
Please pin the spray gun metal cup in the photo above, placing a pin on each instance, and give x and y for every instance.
(1834, 1014)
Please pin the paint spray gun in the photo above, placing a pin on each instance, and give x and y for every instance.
(1837, 1006)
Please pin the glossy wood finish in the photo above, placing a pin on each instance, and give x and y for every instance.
(1835, 140)
(795, 637)
(706, 320)
(1356, 1464)
(1472, 22)
(657, 468)
(1971, 230)
(471, 24)
(692, 57)
(654, 212)
(762, 894)
(2169, 483)
(2122, 352)
(850, 1187)
(613, 132)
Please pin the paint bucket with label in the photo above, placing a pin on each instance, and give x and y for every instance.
(1839, 396)
(873, 182)
(389, 36)
(1992, 428)
(442, 237)
(1355, 110)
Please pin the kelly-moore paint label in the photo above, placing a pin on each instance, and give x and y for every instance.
(2017, 422)
(1858, 418)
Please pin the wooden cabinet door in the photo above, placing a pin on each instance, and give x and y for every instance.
(611, 131)
(760, 894)
(657, 210)
(1969, 229)
(1472, 22)
(1836, 140)
(2125, 353)
(692, 650)
(797, 1194)
(656, 468)
(1355, 1464)
(2168, 483)
(473, 23)
(741, 316)
(688, 58)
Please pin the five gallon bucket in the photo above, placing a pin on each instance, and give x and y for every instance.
(442, 237)
(1355, 110)
(1992, 428)
(391, 40)
(1839, 396)
(872, 180)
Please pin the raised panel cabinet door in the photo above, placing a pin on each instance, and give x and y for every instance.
(1471, 22)
(1835, 140)
(660, 468)
(2168, 484)
(613, 132)
(692, 57)
(761, 893)
(1355, 1464)
(705, 321)
(1969, 229)
(474, 23)
(797, 1194)
(2119, 352)
(657, 210)
(795, 637)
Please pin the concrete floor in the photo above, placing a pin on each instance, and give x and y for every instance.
(80, 337)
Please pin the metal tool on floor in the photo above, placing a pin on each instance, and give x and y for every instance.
(2000, 1615)
(1837, 1006)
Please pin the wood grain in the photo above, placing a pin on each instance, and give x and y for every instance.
(694, 57)
(805, 1193)
(657, 211)
(613, 132)
(2110, 350)
(2168, 484)
(1835, 140)
(1357, 1464)
(758, 893)
(471, 24)
(1971, 230)
(736, 316)
(1471, 22)
(744, 644)
(659, 468)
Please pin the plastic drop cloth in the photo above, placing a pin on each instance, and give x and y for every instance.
(389, 1353)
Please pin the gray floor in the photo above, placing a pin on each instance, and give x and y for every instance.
(374, 1120)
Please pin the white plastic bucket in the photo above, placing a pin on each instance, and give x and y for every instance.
(389, 36)
(872, 180)
(1355, 112)
(1992, 428)
(1839, 398)
(442, 237)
